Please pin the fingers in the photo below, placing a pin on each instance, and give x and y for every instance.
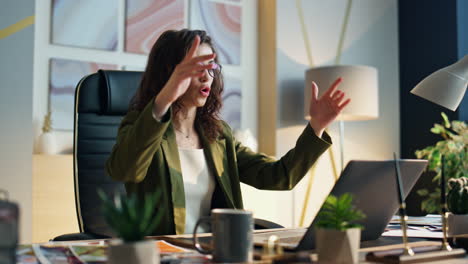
(193, 48)
(337, 99)
(343, 104)
(202, 58)
(195, 64)
(333, 87)
(338, 96)
(314, 91)
(196, 70)
(197, 67)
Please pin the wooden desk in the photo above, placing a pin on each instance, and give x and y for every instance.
(384, 243)
(311, 256)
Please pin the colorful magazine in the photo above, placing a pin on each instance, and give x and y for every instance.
(92, 252)
(25, 255)
(55, 254)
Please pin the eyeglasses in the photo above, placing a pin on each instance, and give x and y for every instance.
(216, 71)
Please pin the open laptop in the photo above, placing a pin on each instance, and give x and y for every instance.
(373, 185)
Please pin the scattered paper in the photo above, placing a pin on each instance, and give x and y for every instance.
(413, 233)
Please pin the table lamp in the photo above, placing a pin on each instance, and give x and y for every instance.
(445, 87)
(360, 83)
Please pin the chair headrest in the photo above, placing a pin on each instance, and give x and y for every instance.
(120, 87)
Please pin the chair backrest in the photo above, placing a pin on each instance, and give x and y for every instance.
(101, 101)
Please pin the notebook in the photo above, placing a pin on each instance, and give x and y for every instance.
(373, 185)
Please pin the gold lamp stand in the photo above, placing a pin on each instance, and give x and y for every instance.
(418, 254)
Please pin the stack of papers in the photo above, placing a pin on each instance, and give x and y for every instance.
(430, 219)
(429, 226)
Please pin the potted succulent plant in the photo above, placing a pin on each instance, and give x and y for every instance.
(132, 219)
(454, 148)
(457, 201)
(338, 234)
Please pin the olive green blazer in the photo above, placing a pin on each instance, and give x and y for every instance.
(146, 158)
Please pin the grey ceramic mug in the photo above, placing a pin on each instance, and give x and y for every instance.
(232, 235)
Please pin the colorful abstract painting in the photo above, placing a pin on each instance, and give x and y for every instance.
(64, 76)
(223, 24)
(147, 19)
(85, 23)
(232, 102)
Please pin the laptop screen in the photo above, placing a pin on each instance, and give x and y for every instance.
(374, 188)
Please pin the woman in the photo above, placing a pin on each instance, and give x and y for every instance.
(173, 141)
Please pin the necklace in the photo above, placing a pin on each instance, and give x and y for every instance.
(187, 136)
(189, 140)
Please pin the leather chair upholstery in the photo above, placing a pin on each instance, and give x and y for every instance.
(101, 101)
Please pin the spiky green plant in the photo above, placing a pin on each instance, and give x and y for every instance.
(339, 213)
(457, 197)
(47, 126)
(455, 151)
(129, 216)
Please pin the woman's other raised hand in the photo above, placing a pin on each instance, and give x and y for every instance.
(325, 109)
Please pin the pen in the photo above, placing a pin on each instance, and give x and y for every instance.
(407, 251)
(399, 187)
(443, 197)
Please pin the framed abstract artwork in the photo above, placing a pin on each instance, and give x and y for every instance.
(146, 20)
(85, 23)
(64, 76)
(232, 100)
(222, 21)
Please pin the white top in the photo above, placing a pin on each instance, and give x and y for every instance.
(198, 185)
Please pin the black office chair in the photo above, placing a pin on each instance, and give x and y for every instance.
(101, 101)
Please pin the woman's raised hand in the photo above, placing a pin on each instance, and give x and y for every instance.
(325, 109)
(190, 67)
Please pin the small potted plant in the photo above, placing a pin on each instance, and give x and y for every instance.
(132, 219)
(457, 201)
(338, 234)
(454, 149)
(46, 143)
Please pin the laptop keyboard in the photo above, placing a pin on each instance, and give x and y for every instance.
(290, 240)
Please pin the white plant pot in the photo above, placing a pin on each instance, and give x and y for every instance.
(141, 252)
(334, 246)
(457, 224)
(47, 143)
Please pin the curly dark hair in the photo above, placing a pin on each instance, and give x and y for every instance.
(168, 51)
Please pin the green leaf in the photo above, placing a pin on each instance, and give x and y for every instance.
(422, 192)
(446, 120)
(338, 213)
(131, 217)
(437, 129)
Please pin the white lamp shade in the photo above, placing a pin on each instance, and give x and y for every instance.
(360, 83)
(445, 87)
(246, 137)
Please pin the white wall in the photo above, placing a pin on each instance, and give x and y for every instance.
(371, 39)
(16, 75)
